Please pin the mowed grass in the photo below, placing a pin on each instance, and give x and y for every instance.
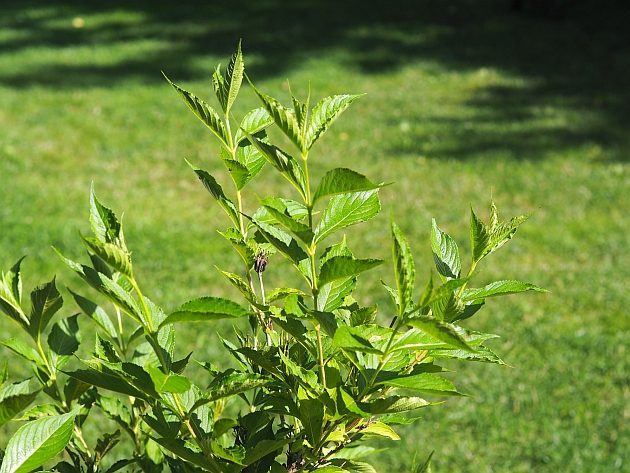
(462, 104)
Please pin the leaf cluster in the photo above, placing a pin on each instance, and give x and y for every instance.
(318, 376)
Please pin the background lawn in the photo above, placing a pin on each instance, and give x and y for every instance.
(465, 100)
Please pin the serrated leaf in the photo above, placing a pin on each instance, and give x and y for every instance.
(20, 347)
(14, 398)
(231, 383)
(107, 380)
(37, 442)
(279, 211)
(204, 112)
(206, 309)
(283, 162)
(311, 413)
(183, 450)
(63, 339)
(441, 330)
(499, 288)
(324, 114)
(242, 248)
(240, 284)
(284, 118)
(168, 383)
(362, 338)
(341, 267)
(234, 76)
(423, 382)
(11, 293)
(263, 448)
(479, 237)
(381, 429)
(282, 241)
(253, 122)
(116, 257)
(45, 302)
(393, 404)
(104, 223)
(445, 253)
(215, 189)
(282, 292)
(250, 157)
(404, 268)
(482, 353)
(342, 181)
(345, 210)
(331, 296)
(106, 286)
(96, 313)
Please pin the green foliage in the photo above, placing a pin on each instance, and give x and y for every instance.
(318, 377)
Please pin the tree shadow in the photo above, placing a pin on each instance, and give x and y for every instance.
(577, 59)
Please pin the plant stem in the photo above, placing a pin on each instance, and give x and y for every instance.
(320, 354)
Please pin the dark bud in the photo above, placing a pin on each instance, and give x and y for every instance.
(260, 263)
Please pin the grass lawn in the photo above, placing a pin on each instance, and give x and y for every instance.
(464, 101)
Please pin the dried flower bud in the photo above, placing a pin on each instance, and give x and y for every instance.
(260, 263)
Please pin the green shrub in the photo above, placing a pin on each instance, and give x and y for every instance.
(318, 376)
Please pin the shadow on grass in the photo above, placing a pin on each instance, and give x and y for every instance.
(576, 58)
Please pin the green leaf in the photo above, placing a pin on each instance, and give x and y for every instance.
(312, 417)
(331, 296)
(116, 257)
(240, 284)
(393, 404)
(106, 379)
(215, 189)
(479, 237)
(105, 225)
(499, 288)
(380, 429)
(441, 330)
(282, 292)
(37, 442)
(404, 268)
(230, 383)
(206, 309)
(204, 112)
(106, 286)
(445, 253)
(281, 241)
(18, 346)
(182, 450)
(341, 267)
(347, 209)
(242, 248)
(253, 122)
(96, 313)
(251, 159)
(423, 382)
(426, 466)
(264, 448)
(342, 181)
(64, 339)
(504, 232)
(233, 79)
(324, 114)
(45, 302)
(278, 209)
(482, 354)
(14, 398)
(362, 338)
(168, 383)
(11, 294)
(284, 163)
(284, 118)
